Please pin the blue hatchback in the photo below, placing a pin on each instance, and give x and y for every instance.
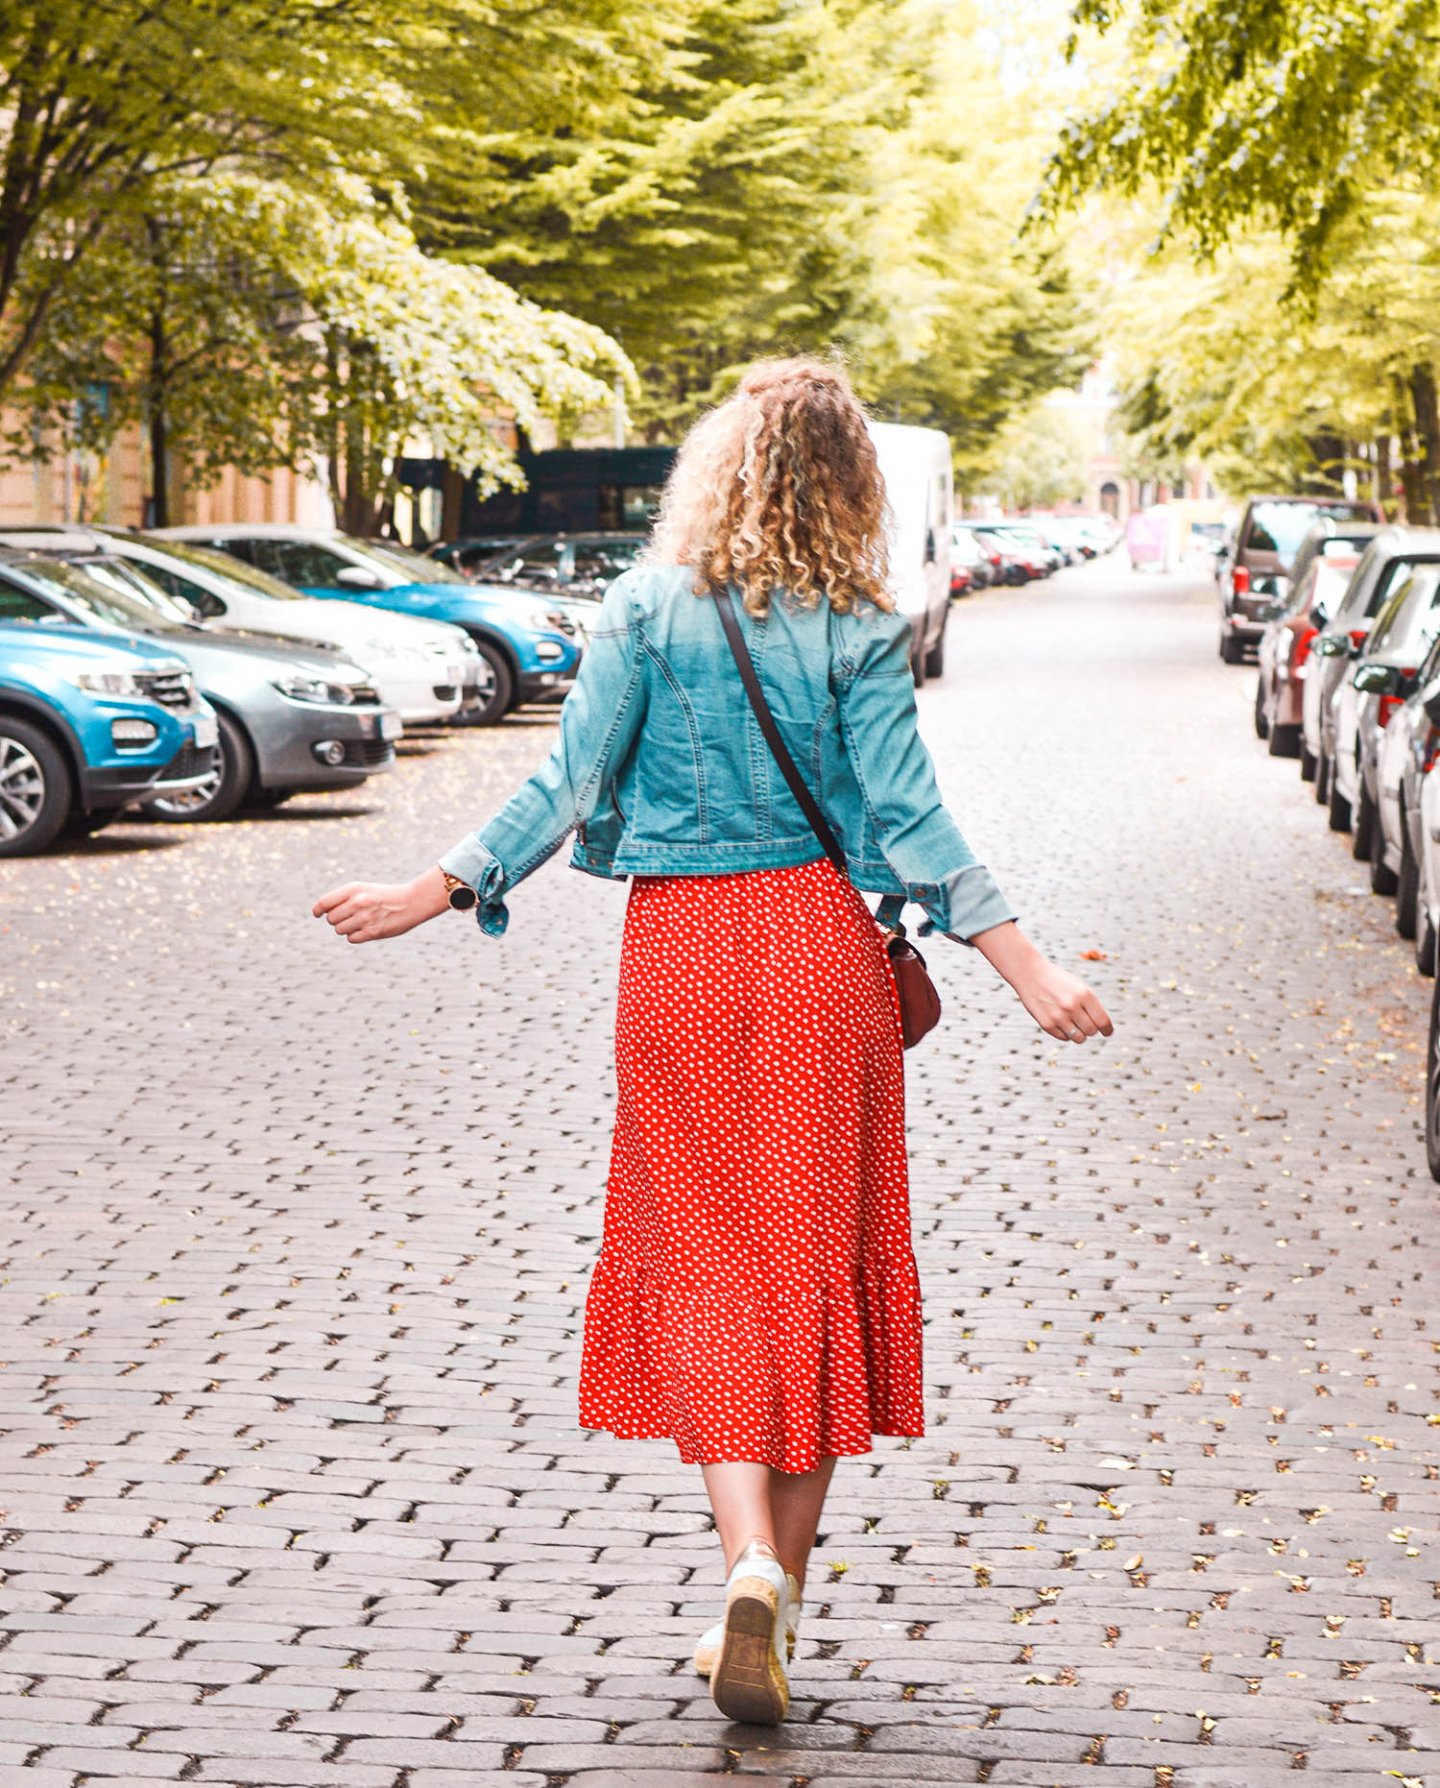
(529, 647)
(91, 723)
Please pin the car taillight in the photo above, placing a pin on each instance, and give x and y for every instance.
(1358, 636)
(1240, 580)
(1302, 647)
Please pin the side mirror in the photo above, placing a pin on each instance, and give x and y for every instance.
(1378, 679)
(1318, 617)
(358, 577)
(207, 605)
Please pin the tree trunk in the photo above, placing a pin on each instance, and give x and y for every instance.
(1384, 476)
(159, 444)
(1410, 491)
(1427, 427)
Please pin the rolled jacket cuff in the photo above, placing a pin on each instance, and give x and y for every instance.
(963, 904)
(481, 869)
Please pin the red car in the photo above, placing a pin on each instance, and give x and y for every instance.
(1291, 627)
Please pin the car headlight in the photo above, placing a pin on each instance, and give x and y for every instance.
(110, 683)
(300, 686)
(468, 646)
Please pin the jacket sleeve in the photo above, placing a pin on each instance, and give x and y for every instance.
(598, 723)
(921, 842)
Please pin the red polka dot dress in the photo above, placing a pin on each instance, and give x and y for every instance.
(756, 1294)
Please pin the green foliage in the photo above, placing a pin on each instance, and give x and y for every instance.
(1040, 458)
(255, 325)
(1284, 113)
(99, 103)
(802, 176)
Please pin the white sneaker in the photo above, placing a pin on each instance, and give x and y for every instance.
(747, 1679)
(707, 1646)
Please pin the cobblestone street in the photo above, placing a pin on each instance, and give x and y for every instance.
(295, 1243)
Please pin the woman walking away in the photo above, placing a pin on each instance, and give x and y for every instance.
(755, 1298)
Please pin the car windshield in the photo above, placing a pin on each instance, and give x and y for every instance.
(1280, 527)
(129, 584)
(234, 571)
(1328, 583)
(398, 560)
(98, 600)
(1410, 619)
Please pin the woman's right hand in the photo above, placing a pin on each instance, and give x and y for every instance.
(1059, 1002)
(363, 912)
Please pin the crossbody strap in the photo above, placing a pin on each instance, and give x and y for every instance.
(745, 664)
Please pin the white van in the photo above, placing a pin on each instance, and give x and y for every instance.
(915, 463)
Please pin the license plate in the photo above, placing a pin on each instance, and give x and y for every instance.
(390, 725)
(207, 733)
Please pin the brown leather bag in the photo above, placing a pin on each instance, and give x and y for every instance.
(919, 1002)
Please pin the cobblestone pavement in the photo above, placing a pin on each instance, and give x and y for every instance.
(295, 1239)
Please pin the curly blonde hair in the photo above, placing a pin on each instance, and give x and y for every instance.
(778, 489)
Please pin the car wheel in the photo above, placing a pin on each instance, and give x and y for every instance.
(221, 792)
(935, 657)
(1407, 890)
(1309, 763)
(1232, 650)
(1365, 845)
(36, 789)
(1284, 740)
(1262, 720)
(495, 689)
(1432, 1088)
(1322, 777)
(1339, 806)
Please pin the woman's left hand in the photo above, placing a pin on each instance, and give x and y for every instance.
(363, 912)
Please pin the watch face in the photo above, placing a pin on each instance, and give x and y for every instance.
(462, 899)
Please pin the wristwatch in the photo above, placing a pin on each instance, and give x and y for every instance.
(460, 894)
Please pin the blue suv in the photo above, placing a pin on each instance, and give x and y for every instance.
(90, 723)
(530, 649)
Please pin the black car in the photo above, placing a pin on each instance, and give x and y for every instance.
(1250, 575)
(578, 565)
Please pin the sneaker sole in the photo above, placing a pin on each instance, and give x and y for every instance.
(748, 1682)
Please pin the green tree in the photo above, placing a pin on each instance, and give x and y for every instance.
(1284, 113)
(255, 326)
(100, 100)
(801, 177)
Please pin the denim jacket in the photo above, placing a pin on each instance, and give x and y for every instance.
(661, 768)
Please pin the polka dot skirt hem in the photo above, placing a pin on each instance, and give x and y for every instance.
(756, 1294)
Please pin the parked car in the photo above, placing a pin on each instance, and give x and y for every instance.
(529, 649)
(422, 669)
(1341, 641)
(1408, 813)
(1249, 575)
(1397, 644)
(90, 723)
(1012, 564)
(969, 563)
(1294, 625)
(1036, 553)
(290, 717)
(579, 565)
(990, 562)
(475, 550)
(1432, 1087)
(1326, 537)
